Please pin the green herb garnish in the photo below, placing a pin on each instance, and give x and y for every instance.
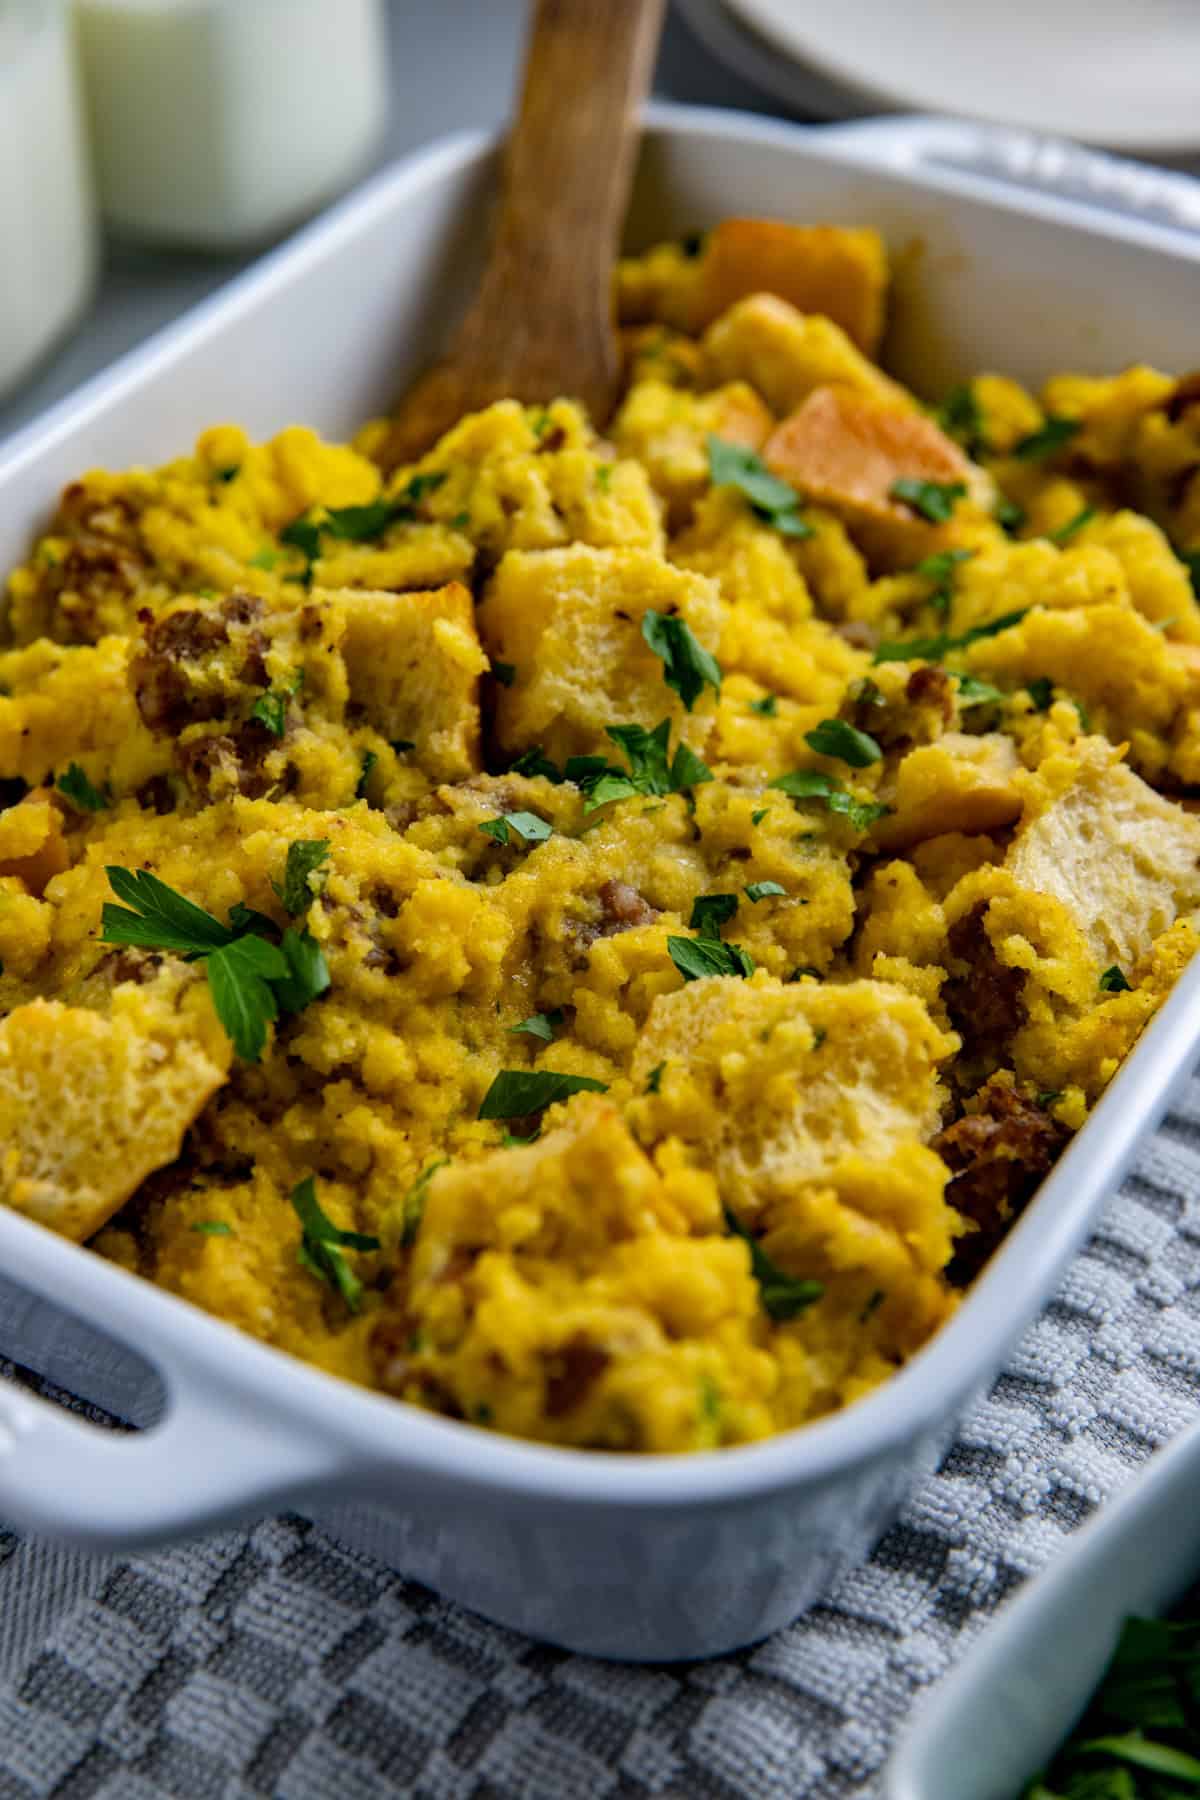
(811, 784)
(766, 708)
(700, 956)
(649, 771)
(834, 737)
(527, 826)
(960, 417)
(271, 710)
(763, 890)
(505, 673)
(940, 569)
(973, 692)
(1066, 532)
(934, 500)
(654, 1078)
(710, 912)
(732, 465)
(412, 1208)
(75, 787)
(1048, 439)
(687, 666)
(249, 978)
(323, 1244)
(212, 1228)
(783, 1296)
(541, 1025)
(535, 762)
(364, 774)
(518, 1093)
(304, 858)
(1113, 981)
(1041, 692)
(933, 649)
(1010, 515)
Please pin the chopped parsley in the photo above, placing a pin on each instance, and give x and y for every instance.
(733, 465)
(305, 857)
(541, 1025)
(412, 1207)
(649, 770)
(1066, 532)
(250, 979)
(535, 762)
(270, 709)
(603, 476)
(687, 666)
(811, 784)
(229, 474)
(834, 737)
(1041, 692)
(1010, 515)
(1047, 439)
(654, 1078)
(323, 1244)
(356, 524)
(505, 673)
(700, 956)
(710, 912)
(973, 692)
(364, 774)
(519, 1093)
(212, 1228)
(940, 570)
(783, 1296)
(960, 417)
(766, 708)
(1113, 981)
(266, 558)
(934, 500)
(75, 787)
(763, 890)
(527, 826)
(932, 649)
(757, 817)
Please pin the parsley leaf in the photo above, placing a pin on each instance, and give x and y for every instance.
(687, 666)
(271, 710)
(1066, 532)
(646, 752)
(541, 1025)
(364, 774)
(687, 770)
(972, 692)
(960, 417)
(1048, 439)
(323, 1244)
(527, 826)
(505, 673)
(932, 649)
(766, 708)
(934, 500)
(534, 761)
(1113, 981)
(155, 917)
(762, 890)
(240, 976)
(412, 1207)
(307, 971)
(649, 771)
(834, 737)
(811, 784)
(710, 912)
(357, 524)
(733, 465)
(1041, 692)
(783, 1296)
(700, 956)
(940, 570)
(1010, 515)
(518, 1093)
(654, 1078)
(304, 858)
(212, 1228)
(75, 787)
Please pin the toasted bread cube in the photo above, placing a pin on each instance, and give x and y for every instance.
(834, 270)
(961, 783)
(847, 451)
(667, 429)
(1123, 860)
(89, 1106)
(61, 704)
(570, 624)
(413, 662)
(785, 354)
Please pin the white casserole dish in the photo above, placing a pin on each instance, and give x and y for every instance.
(649, 1558)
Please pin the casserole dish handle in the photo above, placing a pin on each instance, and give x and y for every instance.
(217, 1455)
(997, 156)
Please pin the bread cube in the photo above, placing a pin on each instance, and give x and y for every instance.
(413, 663)
(785, 354)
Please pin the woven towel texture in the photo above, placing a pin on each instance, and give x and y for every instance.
(277, 1663)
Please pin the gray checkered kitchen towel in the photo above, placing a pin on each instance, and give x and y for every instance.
(279, 1663)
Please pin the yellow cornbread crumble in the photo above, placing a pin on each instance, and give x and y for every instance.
(787, 800)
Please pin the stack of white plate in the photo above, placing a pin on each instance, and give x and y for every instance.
(1104, 71)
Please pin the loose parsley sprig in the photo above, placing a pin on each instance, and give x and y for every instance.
(526, 825)
(75, 787)
(812, 784)
(650, 771)
(834, 737)
(251, 980)
(687, 666)
(306, 857)
(1047, 440)
(700, 956)
(783, 1296)
(940, 569)
(356, 524)
(933, 500)
(774, 501)
(933, 649)
(519, 1093)
(323, 1245)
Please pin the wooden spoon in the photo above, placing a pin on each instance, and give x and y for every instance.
(541, 323)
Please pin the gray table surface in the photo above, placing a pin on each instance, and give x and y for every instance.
(454, 63)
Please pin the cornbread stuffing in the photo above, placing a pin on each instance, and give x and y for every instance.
(599, 935)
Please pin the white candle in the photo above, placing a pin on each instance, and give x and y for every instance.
(47, 234)
(218, 122)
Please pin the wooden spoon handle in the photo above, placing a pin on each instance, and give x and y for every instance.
(541, 322)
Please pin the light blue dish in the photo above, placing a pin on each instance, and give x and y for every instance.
(1013, 1699)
